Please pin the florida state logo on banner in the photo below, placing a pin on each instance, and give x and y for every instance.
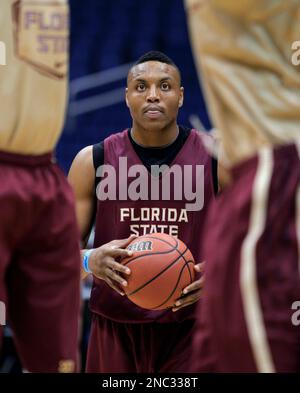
(41, 29)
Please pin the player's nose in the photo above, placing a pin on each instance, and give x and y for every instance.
(153, 95)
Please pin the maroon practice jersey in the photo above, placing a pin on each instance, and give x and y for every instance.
(119, 215)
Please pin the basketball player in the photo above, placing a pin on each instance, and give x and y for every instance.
(244, 54)
(125, 337)
(39, 240)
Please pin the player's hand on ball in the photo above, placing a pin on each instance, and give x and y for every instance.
(192, 292)
(103, 263)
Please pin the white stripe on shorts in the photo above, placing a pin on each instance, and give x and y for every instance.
(297, 142)
(248, 278)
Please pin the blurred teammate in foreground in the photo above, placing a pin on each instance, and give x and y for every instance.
(245, 59)
(39, 241)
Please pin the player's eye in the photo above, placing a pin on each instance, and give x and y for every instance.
(141, 87)
(165, 86)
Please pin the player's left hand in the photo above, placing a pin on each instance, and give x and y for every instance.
(192, 292)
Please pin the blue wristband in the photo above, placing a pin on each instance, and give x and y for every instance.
(85, 262)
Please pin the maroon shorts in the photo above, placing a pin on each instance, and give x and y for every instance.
(253, 270)
(40, 263)
(116, 347)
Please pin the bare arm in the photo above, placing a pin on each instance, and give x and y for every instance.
(102, 261)
(82, 178)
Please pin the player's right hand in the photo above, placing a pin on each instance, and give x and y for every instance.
(103, 264)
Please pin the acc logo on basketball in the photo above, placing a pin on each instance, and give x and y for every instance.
(141, 246)
(2, 53)
(2, 314)
(41, 35)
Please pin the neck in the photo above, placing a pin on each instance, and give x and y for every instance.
(154, 138)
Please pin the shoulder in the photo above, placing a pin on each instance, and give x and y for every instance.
(115, 139)
(82, 172)
(84, 159)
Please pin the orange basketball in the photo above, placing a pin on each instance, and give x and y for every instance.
(161, 266)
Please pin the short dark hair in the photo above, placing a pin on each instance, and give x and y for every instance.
(155, 55)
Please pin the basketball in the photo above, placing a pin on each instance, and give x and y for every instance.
(161, 267)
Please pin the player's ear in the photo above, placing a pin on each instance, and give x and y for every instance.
(181, 97)
(126, 97)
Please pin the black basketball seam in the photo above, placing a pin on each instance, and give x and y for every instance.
(191, 280)
(154, 253)
(161, 272)
(176, 284)
(178, 250)
(163, 240)
(180, 274)
(187, 264)
(146, 255)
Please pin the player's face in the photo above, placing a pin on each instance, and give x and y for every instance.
(154, 95)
